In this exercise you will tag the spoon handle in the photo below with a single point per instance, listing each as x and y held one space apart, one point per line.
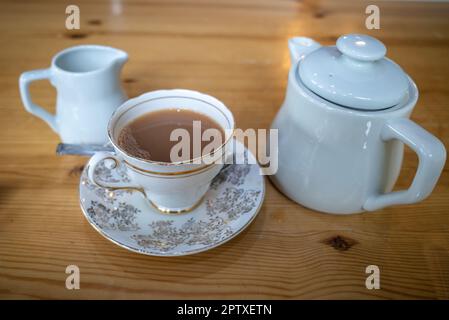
81 149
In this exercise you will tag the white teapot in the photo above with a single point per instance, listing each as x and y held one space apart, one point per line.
343 126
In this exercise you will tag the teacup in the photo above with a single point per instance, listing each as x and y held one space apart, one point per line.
172 187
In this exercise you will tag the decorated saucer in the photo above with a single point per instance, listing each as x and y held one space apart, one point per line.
127 219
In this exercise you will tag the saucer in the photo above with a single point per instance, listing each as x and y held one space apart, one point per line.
128 219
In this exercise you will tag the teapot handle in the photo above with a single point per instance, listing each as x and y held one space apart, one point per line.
431 154
24 82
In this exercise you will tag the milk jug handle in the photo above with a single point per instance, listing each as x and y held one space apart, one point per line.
24 82
431 155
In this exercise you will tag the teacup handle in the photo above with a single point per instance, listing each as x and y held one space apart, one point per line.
24 82
431 154
92 165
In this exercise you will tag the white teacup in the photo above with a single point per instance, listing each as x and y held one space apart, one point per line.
172 187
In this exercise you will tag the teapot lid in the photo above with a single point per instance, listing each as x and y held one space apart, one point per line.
355 74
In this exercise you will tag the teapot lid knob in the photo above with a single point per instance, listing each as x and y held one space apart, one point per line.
361 47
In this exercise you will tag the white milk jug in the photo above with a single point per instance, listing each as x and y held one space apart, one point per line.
87 80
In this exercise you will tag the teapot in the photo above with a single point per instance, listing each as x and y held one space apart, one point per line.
343 125
87 81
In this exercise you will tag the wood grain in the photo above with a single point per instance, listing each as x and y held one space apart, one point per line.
237 51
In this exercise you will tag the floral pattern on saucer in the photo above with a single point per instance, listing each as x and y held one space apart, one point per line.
127 219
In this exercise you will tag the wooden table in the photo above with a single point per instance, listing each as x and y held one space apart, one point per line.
237 51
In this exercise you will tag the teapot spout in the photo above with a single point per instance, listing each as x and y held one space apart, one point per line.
299 47
121 58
